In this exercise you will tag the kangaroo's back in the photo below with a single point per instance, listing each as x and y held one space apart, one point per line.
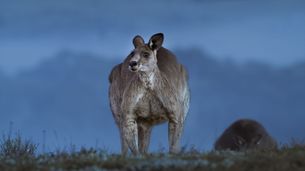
245 134
170 67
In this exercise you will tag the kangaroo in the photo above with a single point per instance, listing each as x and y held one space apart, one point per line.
149 88
245 134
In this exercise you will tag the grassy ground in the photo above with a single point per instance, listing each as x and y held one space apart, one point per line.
19 154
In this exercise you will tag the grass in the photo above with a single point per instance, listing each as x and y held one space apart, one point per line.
16 147
20 154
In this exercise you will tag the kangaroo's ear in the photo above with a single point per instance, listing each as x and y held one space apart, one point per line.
156 41
257 139
240 140
138 41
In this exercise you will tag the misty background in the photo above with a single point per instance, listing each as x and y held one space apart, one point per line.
246 59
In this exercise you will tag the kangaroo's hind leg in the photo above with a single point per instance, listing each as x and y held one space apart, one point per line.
175 129
124 145
144 133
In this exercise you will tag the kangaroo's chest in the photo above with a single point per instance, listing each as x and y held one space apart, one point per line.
150 109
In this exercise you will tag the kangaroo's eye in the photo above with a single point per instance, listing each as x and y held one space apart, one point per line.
145 54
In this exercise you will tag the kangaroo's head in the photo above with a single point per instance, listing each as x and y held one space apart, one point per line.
144 56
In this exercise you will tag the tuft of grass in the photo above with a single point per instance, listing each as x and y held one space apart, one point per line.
17 147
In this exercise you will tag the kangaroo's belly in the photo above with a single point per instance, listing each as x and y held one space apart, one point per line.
149 109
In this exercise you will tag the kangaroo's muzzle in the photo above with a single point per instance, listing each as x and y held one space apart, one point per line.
133 66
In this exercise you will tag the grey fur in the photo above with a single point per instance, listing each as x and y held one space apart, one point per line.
150 87
245 134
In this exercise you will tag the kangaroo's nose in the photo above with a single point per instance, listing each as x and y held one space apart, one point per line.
133 63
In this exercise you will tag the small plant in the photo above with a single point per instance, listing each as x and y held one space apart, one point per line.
16 147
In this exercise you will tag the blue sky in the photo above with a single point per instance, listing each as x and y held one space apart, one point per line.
271 31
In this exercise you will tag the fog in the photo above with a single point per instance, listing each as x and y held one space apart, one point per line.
245 60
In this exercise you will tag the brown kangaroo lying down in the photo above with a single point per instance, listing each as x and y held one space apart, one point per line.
245 134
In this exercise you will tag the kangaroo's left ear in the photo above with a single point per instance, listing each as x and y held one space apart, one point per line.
156 41
138 41
240 140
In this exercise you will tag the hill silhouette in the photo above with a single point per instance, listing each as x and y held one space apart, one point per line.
67 96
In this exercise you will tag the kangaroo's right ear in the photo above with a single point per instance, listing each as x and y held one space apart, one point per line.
138 41
156 41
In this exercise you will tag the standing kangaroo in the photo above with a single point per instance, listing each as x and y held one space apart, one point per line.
150 87
245 134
